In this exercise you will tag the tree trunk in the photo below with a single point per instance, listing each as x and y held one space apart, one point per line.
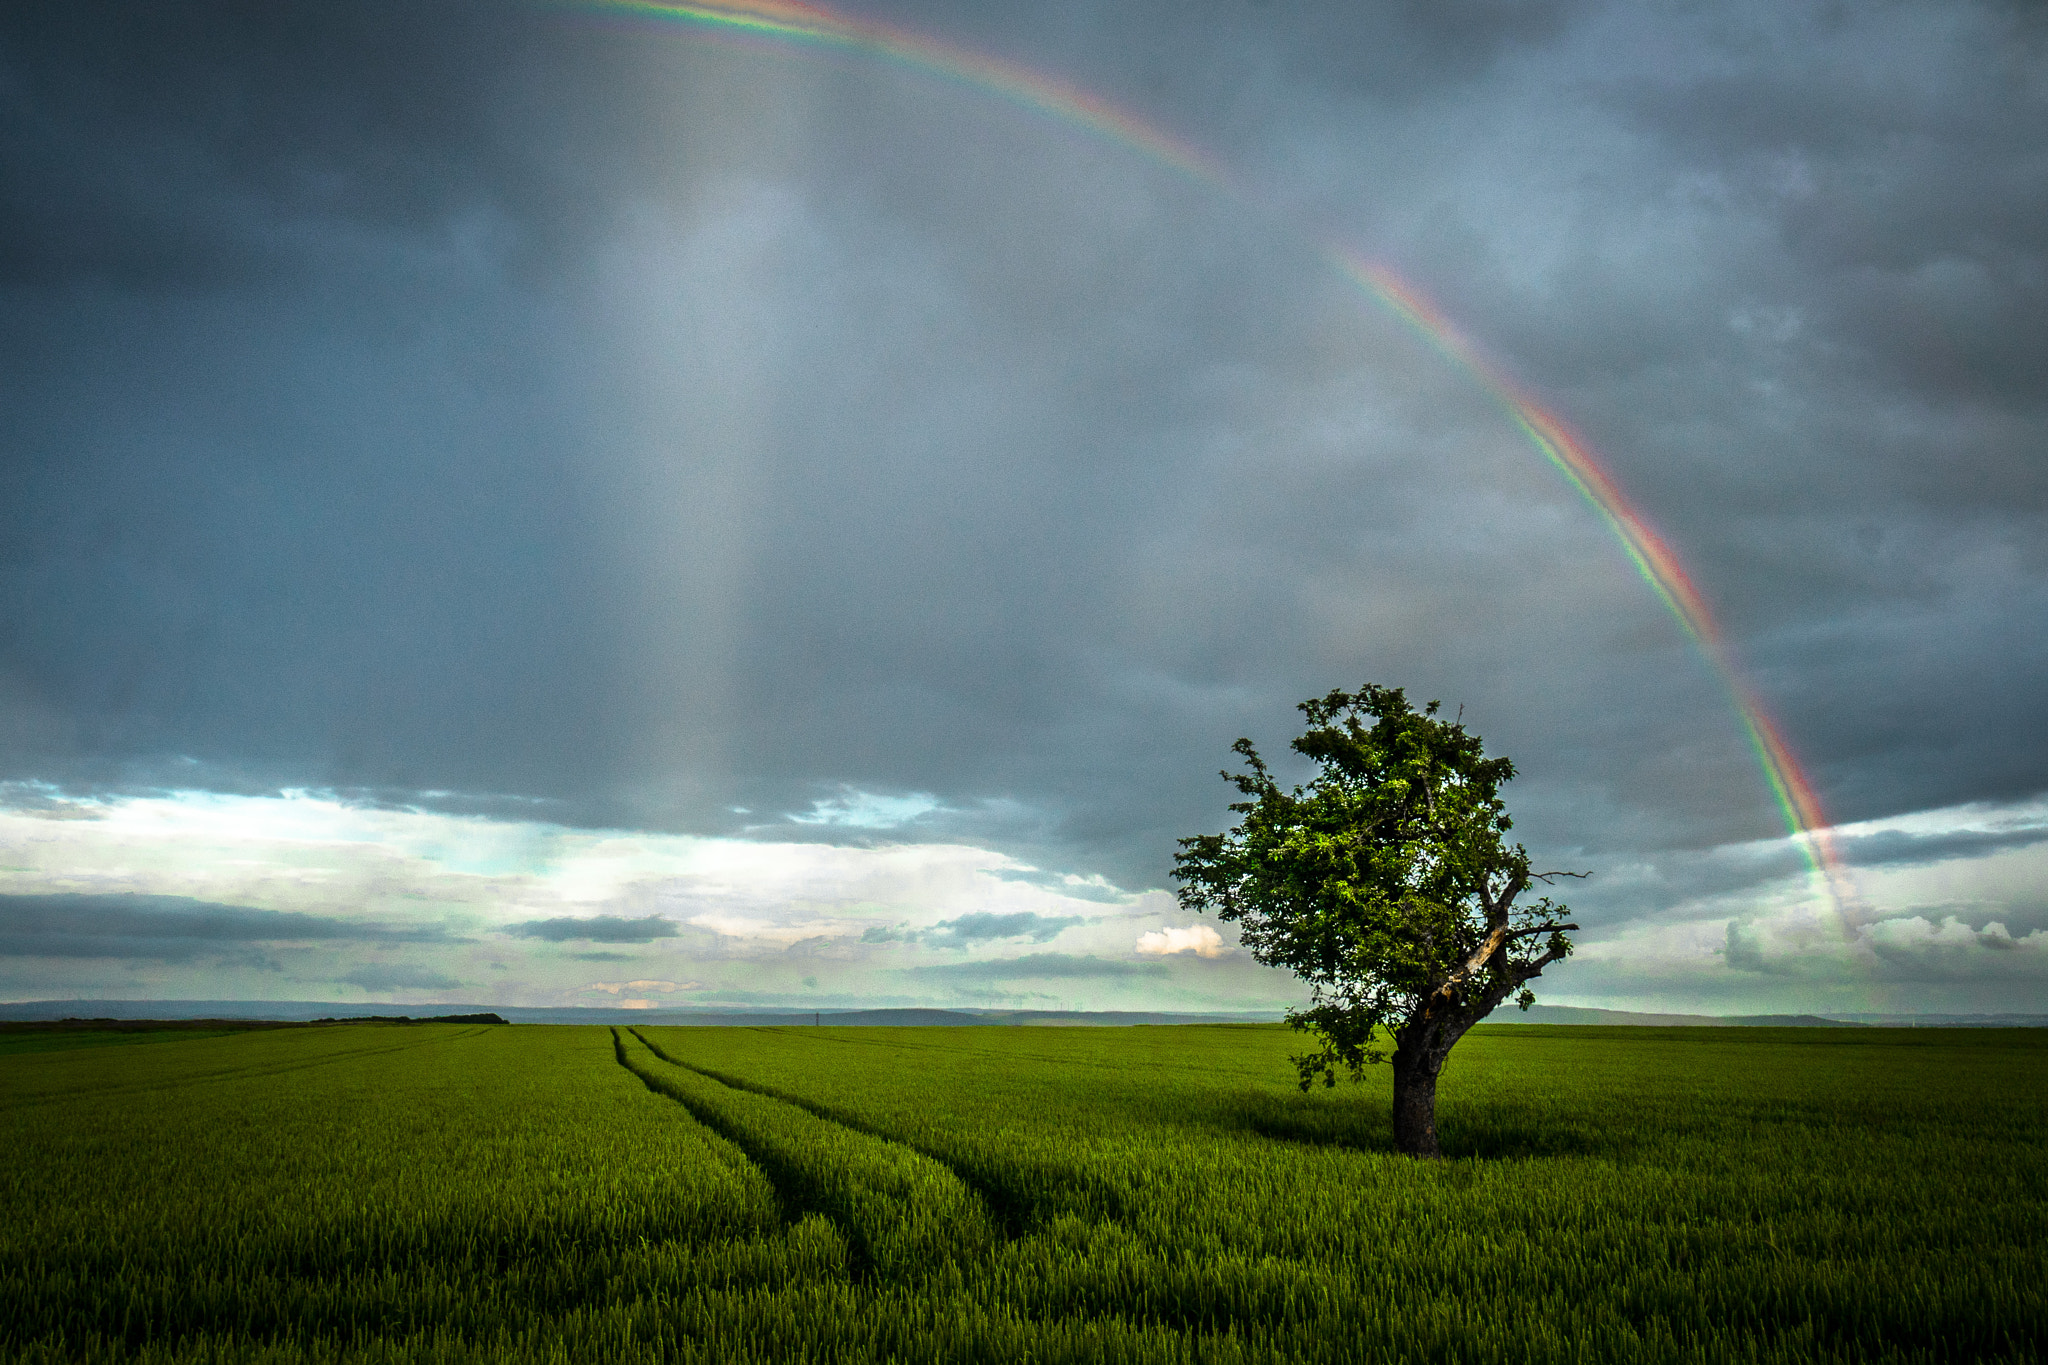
1415 1072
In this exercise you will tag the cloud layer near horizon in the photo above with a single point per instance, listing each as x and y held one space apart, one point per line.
306 897
510 414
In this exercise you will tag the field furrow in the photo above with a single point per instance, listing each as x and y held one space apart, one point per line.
437 1193
1644 1188
1014 1214
906 1215
462 1183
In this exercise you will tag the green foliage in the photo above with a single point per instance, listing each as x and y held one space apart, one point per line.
1386 883
932 1195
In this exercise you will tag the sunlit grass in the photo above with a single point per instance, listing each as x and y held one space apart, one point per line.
448 1193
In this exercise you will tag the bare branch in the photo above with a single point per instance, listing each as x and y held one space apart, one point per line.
1541 929
1545 877
1535 969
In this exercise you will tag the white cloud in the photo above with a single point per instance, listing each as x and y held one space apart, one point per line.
853 809
753 916
746 927
1198 939
1965 930
1917 948
644 987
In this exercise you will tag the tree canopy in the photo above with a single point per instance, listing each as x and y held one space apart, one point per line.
1387 883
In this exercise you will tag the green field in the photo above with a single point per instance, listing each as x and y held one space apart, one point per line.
450 1193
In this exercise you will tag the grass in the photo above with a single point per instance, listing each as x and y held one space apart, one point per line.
450 1193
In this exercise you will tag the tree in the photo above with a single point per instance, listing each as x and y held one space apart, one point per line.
1388 885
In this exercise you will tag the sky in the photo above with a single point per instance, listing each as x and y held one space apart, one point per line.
542 505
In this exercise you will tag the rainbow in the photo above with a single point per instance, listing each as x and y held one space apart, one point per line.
1654 559
780 20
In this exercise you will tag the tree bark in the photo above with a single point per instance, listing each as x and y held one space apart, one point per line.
1415 1072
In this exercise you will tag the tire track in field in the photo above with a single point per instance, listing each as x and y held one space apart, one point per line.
789 1194
897 1221
1017 1215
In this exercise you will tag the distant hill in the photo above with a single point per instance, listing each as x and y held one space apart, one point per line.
1950 1020
199 1024
1569 1014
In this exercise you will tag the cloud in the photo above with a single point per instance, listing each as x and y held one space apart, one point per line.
1911 949
398 976
1198 939
1914 848
813 946
866 810
644 987
1744 950
172 928
595 929
984 927
838 475
1067 884
1980 843
1914 948
981 926
42 799
761 930
1036 966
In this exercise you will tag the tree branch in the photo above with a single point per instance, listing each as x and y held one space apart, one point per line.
1541 929
1481 955
1493 944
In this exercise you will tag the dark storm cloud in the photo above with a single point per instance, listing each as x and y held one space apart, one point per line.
1904 182
1220 59
1037 966
1901 848
191 147
171 928
1798 305
398 976
499 410
595 929
983 927
256 297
